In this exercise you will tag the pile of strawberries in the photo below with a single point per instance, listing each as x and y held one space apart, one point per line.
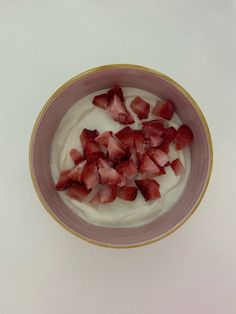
120 164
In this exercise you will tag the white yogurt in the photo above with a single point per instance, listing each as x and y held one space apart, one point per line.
119 213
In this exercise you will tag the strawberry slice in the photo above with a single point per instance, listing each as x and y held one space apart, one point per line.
153 127
184 137
76 173
128 169
127 193
164 147
140 107
148 166
95 200
115 90
103 138
126 136
90 175
64 181
108 175
140 142
100 101
115 149
169 134
164 109
118 111
159 157
177 167
76 156
149 189
87 135
78 191
108 193
155 140
92 151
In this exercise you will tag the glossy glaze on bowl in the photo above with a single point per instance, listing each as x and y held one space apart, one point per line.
105 77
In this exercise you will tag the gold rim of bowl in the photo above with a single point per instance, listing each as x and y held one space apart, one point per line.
107 67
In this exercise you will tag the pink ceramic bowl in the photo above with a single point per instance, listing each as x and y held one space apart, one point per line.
100 78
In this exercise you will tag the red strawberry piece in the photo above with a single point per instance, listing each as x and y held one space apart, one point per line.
164 109
159 157
149 189
108 193
95 200
140 107
183 137
177 167
108 175
76 156
164 147
139 141
148 166
162 171
169 134
78 191
64 181
92 151
128 169
126 136
90 175
76 173
115 90
127 193
100 101
155 140
153 127
129 119
167 164
115 149
117 110
103 138
88 135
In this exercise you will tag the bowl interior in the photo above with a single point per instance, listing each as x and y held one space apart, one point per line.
100 78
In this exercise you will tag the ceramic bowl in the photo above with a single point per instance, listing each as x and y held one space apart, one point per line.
105 77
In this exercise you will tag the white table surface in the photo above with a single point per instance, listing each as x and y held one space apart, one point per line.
43 268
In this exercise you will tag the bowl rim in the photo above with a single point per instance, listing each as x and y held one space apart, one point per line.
72 81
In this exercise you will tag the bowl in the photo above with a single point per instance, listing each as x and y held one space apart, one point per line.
104 77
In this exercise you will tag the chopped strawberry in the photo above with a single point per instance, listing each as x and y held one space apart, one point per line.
139 141
126 136
164 109
103 138
64 181
78 191
169 134
115 90
118 111
127 193
155 140
108 193
140 107
164 147
100 101
76 173
115 149
128 169
162 171
183 137
90 175
76 156
88 135
149 189
159 157
177 167
95 200
92 151
108 175
148 166
153 127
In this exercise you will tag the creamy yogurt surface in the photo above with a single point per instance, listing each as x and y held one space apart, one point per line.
119 213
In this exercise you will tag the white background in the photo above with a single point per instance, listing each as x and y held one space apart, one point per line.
43 268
